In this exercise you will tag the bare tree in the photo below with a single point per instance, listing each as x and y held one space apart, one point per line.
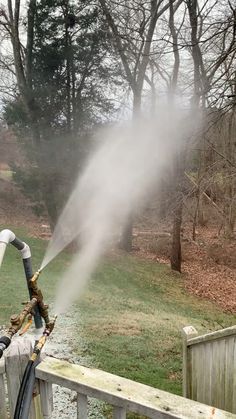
132 25
212 47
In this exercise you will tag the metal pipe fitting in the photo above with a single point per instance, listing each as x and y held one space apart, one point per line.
16 321
7 236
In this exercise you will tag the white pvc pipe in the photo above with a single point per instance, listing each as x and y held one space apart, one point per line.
7 236
25 252
2 251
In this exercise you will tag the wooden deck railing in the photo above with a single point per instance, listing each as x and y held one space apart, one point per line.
209 367
122 394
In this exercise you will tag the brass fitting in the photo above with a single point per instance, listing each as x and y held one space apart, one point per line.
27 326
35 276
17 320
48 330
50 325
38 347
37 293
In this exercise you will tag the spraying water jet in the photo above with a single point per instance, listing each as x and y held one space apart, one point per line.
120 175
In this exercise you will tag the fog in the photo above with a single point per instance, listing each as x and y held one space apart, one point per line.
119 176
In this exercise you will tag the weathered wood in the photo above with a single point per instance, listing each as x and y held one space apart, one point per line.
234 380
82 406
119 412
221 367
219 334
207 369
37 407
187 333
46 398
201 381
194 367
2 366
118 391
16 358
3 409
215 374
230 370
211 368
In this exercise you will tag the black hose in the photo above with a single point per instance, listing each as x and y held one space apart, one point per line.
20 397
4 343
19 245
26 391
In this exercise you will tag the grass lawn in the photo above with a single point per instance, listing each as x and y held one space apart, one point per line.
6 175
132 313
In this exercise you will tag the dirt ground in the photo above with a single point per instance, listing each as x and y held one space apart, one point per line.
209 263
16 210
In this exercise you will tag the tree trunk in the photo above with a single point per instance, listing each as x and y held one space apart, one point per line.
230 195
24 80
176 255
127 232
137 96
127 235
46 178
50 201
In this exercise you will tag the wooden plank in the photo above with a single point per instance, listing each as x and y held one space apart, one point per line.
234 380
221 382
46 398
37 407
2 366
208 371
119 412
230 370
194 374
190 374
82 406
3 409
187 333
16 358
201 372
217 379
215 388
134 397
219 334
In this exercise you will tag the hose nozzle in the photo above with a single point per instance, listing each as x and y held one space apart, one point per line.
35 276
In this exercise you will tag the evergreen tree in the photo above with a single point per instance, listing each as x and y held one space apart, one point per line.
68 70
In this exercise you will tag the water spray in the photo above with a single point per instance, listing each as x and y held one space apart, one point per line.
21 322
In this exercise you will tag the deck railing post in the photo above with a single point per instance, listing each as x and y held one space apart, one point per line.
82 406
3 409
46 398
16 358
119 412
187 333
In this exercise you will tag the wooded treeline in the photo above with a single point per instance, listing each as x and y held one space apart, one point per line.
68 67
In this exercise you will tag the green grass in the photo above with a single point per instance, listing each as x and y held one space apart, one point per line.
133 313
130 316
6 174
